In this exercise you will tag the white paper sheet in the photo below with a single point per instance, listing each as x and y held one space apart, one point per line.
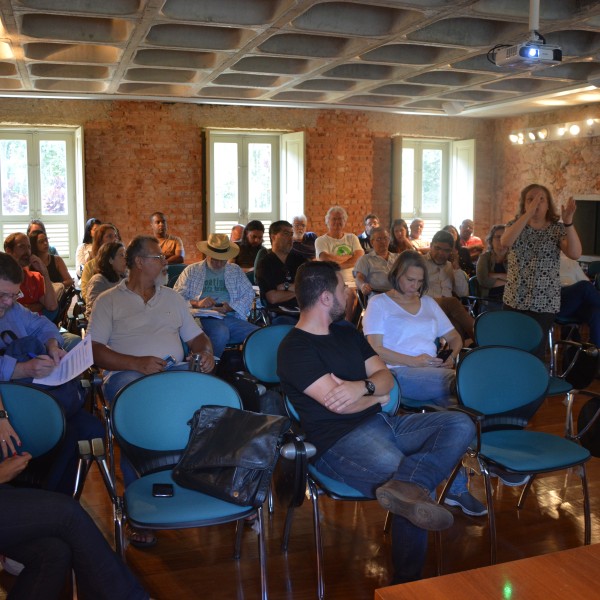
71 364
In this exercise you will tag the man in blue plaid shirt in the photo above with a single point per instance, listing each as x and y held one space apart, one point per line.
221 291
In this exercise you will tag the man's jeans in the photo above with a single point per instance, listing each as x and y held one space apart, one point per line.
582 301
431 385
229 330
420 448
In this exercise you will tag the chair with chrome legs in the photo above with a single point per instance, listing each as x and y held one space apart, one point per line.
510 447
304 474
150 418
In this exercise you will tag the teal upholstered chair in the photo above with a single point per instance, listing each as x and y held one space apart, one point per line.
307 474
39 421
517 330
513 449
150 422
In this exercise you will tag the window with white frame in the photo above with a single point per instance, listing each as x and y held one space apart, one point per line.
254 175
41 177
433 181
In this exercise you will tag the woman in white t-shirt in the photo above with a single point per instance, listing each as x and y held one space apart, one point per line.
403 326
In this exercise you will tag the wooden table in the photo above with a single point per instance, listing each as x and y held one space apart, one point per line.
559 575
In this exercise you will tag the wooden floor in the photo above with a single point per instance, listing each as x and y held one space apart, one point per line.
198 563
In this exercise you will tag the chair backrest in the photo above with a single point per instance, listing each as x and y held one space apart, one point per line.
508 328
35 415
173 273
474 289
260 352
64 303
153 412
497 379
593 269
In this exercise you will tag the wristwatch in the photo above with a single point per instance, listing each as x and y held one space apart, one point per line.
286 286
3 414
370 387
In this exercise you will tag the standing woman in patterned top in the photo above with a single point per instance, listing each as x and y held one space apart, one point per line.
535 239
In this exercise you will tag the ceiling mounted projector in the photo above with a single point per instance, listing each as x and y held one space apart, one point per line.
527 54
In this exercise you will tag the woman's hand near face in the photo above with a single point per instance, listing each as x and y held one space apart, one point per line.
533 206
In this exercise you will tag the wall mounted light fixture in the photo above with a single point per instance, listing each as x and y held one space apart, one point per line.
548 133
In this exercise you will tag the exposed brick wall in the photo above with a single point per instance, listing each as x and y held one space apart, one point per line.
339 162
382 178
567 167
139 161
147 156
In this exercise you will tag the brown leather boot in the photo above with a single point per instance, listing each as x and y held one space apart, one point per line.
414 503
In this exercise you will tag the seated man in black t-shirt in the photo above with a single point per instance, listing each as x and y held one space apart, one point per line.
275 274
337 383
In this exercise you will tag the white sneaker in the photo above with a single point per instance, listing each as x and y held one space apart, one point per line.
12 567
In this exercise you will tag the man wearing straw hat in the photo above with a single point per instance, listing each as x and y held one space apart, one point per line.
221 290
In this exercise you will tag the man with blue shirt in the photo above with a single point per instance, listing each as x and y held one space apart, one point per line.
221 288
19 322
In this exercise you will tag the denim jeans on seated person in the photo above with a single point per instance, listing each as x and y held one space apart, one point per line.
582 301
80 424
229 330
417 448
431 385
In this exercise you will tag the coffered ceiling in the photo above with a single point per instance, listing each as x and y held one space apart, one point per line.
413 56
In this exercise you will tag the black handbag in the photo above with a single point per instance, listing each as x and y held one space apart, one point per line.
231 454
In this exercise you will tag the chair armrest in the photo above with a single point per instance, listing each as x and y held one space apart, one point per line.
291 450
289 479
99 454
477 416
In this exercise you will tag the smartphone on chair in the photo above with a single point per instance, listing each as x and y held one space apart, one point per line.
162 490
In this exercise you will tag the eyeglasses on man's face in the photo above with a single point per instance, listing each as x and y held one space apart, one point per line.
8 296
156 256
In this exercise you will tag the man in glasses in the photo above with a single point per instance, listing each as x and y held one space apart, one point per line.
137 326
18 364
447 284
